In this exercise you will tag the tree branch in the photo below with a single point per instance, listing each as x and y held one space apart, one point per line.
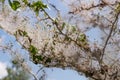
110 34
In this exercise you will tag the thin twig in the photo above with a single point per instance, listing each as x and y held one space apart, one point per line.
110 33
101 4
39 70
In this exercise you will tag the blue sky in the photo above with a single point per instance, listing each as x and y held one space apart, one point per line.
64 75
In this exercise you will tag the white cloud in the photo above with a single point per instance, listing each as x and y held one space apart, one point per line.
3 70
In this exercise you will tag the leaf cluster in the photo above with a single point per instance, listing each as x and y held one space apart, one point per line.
35 6
14 5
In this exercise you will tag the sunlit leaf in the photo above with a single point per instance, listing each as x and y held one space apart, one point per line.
82 37
14 5
33 49
37 6
117 8
24 33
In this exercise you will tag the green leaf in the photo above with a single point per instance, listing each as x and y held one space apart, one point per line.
117 8
63 25
48 60
10 3
2 1
22 33
40 58
37 58
82 37
66 38
73 29
33 49
39 5
25 1
53 42
14 5
15 62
